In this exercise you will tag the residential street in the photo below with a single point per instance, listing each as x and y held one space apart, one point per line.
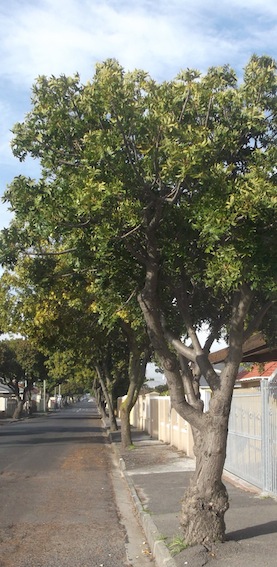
63 501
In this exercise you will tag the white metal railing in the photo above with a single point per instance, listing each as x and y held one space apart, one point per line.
252 436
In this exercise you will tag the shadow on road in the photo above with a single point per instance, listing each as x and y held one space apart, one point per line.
253 531
93 439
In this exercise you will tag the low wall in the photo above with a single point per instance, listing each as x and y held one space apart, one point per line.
10 407
155 415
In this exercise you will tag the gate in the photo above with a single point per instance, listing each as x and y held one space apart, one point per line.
244 444
252 437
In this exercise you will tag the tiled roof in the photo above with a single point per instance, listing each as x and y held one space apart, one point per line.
255 350
265 370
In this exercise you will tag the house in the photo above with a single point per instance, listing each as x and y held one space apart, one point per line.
255 349
7 401
252 376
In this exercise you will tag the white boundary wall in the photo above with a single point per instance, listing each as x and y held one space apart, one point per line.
155 415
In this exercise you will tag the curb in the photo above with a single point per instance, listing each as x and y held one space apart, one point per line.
35 415
157 546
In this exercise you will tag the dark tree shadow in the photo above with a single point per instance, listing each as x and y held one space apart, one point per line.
253 531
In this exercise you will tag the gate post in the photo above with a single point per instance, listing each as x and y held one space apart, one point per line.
265 435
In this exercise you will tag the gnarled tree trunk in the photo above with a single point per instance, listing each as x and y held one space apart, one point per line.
206 500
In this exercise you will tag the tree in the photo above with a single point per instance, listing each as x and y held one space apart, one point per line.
64 369
60 313
21 365
173 185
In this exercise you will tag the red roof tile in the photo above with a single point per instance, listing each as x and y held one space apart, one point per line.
265 370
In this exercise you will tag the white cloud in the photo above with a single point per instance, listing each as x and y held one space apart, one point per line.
6 216
5 134
49 37
65 36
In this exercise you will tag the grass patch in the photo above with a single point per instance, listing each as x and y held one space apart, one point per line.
176 545
162 538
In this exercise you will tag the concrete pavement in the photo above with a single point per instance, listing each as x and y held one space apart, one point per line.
157 475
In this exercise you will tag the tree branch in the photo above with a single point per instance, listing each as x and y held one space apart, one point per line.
241 304
177 344
200 355
128 150
174 194
136 253
188 381
131 231
31 254
256 321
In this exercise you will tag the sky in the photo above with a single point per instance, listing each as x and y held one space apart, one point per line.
54 37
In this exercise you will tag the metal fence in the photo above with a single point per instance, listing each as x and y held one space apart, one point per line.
269 436
252 437
244 444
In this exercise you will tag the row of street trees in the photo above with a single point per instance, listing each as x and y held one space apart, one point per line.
155 212
23 366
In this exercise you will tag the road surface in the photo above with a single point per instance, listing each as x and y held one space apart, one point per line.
62 500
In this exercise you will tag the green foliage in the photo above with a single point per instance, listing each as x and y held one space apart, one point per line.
162 389
10 368
20 361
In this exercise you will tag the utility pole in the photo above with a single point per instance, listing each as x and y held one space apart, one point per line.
44 396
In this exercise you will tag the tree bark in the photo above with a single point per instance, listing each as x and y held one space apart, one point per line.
99 401
19 409
138 358
126 436
206 500
101 398
112 418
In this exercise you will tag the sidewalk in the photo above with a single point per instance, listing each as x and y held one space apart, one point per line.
157 475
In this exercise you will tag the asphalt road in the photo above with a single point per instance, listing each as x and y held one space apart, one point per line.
62 500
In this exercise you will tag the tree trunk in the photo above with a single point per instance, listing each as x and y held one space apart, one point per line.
126 437
206 500
125 410
136 381
111 415
99 401
137 366
19 409
112 418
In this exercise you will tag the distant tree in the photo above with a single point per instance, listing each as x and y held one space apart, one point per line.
21 365
79 333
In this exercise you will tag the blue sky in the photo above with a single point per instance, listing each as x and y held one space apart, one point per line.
161 36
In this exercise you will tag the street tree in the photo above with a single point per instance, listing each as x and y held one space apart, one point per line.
168 191
21 365
60 312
